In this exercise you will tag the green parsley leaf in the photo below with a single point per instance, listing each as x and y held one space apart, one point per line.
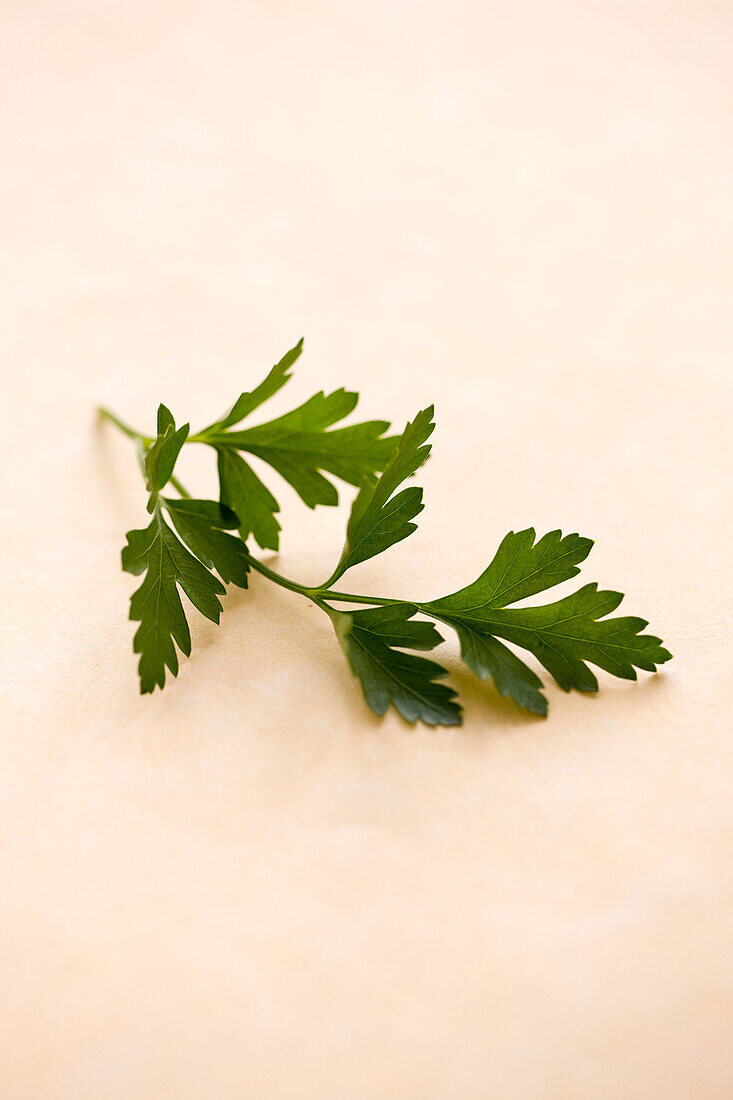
562 635
380 643
298 446
203 526
241 489
379 519
161 456
373 641
247 402
490 658
168 564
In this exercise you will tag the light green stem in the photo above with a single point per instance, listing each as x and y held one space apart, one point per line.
180 488
107 414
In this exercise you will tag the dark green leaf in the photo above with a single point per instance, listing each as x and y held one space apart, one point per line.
298 446
255 506
373 641
165 420
156 605
161 456
203 525
565 634
562 635
378 519
490 658
247 402
522 567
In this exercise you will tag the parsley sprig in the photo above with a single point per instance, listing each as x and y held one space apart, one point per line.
199 546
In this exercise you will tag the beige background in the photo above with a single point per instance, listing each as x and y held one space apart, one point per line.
247 886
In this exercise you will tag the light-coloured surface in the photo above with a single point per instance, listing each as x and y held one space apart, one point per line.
246 886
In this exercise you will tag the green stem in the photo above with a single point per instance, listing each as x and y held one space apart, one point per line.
284 582
180 488
107 414
316 595
350 597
